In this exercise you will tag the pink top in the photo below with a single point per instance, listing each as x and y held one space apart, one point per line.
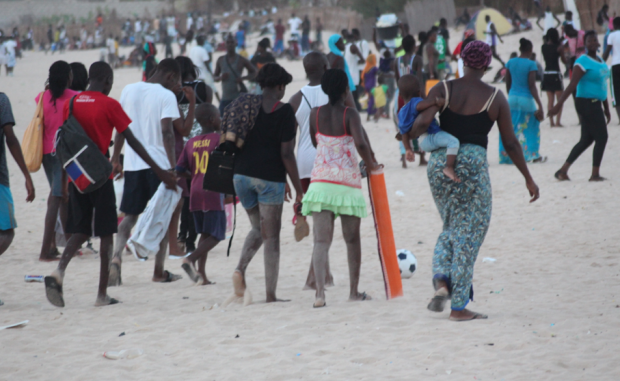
577 45
336 158
53 117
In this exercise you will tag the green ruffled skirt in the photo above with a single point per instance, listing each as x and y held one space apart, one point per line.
339 199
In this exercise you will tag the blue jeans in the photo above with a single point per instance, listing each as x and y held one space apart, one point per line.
278 47
439 140
252 191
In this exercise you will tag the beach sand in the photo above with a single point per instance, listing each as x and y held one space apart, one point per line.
552 295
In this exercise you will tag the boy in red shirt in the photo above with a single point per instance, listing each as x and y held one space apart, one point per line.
98 115
207 207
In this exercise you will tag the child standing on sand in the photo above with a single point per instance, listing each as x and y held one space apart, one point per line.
207 207
380 93
409 88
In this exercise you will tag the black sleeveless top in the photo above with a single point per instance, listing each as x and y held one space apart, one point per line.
468 129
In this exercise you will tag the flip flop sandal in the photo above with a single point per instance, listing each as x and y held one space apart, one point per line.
170 277
476 316
365 296
53 291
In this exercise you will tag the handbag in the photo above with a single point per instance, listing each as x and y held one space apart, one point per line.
32 143
240 86
219 178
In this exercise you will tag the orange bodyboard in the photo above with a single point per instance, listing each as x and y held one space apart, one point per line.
385 235
430 84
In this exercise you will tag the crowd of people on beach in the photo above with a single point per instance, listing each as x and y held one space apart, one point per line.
173 129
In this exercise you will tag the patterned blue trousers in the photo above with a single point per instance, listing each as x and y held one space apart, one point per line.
465 210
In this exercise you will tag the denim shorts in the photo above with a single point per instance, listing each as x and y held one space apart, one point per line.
53 172
441 139
252 191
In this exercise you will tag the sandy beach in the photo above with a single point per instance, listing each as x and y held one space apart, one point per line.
552 295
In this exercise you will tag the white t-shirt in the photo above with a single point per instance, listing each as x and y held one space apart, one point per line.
147 104
364 48
10 46
111 46
306 153
352 63
199 55
294 24
549 21
490 37
613 40
138 26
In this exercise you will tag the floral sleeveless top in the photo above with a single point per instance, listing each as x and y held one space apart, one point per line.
336 158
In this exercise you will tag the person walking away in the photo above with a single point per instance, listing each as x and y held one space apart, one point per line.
410 63
207 208
590 75
354 58
309 97
431 56
7 208
9 47
240 37
111 45
294 23
261 57
80 76
613 47
335 188
552 82
319 33
149 62
261 129
183 128
229 70
202 59
278 45
523 99
465 207
369 81
203 94
491 38
305 36
550 19
94 213
59 80
153 127
443 46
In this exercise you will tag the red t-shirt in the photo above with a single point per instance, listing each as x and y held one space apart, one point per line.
280 29
99 115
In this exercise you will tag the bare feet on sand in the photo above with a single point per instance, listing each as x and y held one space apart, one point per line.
562 176
51 256
318 303
449 171
114 278
238 283
167 278
203 280
597 178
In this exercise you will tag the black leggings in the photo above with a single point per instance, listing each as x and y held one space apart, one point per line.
593 129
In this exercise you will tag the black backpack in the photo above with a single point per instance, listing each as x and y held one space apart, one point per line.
80 157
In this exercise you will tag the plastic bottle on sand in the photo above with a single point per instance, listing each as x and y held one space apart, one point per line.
124 354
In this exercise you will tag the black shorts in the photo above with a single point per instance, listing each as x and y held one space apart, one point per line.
615 84
100 204
552 82
140 186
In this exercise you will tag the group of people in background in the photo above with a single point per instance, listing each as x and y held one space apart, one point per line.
171 140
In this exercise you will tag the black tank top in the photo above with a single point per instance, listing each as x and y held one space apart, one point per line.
468 129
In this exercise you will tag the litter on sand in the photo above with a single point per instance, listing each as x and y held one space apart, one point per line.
16 325
400 193
488 259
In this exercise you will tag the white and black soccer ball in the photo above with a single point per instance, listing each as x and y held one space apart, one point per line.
407 263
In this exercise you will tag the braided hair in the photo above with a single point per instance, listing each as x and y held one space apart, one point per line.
187 68
525 45
334 83
80 76
58 79
273 75
588 34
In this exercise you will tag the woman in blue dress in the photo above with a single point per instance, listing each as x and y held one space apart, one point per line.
523 100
